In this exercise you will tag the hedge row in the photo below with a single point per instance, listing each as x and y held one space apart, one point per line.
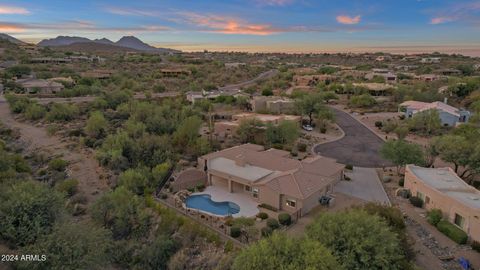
454 233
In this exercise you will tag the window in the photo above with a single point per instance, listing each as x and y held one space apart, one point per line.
291 203
248 188
255 192
459 220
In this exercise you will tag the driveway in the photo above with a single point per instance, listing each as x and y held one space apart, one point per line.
364 184
359 147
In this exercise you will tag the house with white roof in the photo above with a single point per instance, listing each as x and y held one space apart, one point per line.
449 115
441 188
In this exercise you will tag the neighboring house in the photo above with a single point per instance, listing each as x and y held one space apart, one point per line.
65 80
100 74
270 177
449 115
174 72
235 65
441 188
272 104
211 95
312 80
428 77
376 89
40 86
50 60
385 73
226 129
430 60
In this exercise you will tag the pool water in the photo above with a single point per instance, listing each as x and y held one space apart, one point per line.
204 203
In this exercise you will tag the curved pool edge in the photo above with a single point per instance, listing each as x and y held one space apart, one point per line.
184 204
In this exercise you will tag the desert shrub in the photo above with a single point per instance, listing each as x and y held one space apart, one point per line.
349 167
434 216
266 231
378 124
273 223
454 233
416 201
262 215
285 219
57 164
35 112
476 246
69 186
302 147
62 112
235 231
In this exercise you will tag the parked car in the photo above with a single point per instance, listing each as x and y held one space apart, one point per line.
307 127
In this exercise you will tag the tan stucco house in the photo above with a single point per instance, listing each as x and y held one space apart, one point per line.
271 177
441 188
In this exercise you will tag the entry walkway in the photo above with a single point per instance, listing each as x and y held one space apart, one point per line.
248 207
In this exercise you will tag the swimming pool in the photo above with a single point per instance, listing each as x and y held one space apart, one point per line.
204 203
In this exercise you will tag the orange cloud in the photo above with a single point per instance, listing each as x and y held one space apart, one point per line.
440 20
13 10
227 25
10 28
344 19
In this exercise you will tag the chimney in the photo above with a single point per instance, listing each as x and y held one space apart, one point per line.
240 160
445 100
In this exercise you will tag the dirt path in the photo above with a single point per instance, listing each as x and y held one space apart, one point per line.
83 165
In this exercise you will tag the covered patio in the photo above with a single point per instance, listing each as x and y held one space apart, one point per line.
248 207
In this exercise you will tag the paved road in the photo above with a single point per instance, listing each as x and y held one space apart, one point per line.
364 184
360 146
264 75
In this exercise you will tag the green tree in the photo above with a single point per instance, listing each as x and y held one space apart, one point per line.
123 213
136 180
463 153
28 210
187 133
71 246
156 255
359 240
309 105
285 133
282 252
248 129
362 101
427 122
401 153
96 125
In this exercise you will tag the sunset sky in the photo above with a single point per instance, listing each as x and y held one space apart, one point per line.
257 25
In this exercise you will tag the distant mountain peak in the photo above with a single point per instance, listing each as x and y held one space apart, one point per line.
129 42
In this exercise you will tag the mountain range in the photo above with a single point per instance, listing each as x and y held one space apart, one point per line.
11 39
126 42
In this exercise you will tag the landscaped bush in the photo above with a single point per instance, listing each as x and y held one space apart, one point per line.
273 223
401 182
476 246
323 130
349 167
434 216
378 124
262 215
57 164
68 186
454 233
266 231
235 231
415 201
269 207
200 187
302 147
285 219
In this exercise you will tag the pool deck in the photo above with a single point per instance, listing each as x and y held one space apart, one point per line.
248 207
